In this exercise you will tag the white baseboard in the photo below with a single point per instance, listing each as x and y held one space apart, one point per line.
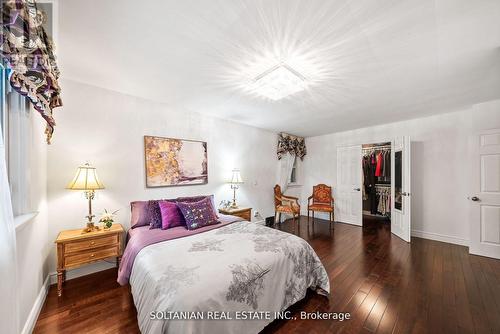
51 278
29 325
440 237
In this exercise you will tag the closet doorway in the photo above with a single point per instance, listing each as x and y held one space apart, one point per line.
376 182
373 180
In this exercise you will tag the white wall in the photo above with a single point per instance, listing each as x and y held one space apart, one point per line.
106 128
439 165
33 245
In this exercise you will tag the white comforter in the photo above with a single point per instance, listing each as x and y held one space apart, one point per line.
239 267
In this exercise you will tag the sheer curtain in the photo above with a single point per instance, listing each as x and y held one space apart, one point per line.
8 288
20 152
286 166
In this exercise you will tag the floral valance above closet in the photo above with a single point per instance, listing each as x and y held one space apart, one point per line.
291 144
29 54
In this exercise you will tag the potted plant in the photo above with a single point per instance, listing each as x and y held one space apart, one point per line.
107 219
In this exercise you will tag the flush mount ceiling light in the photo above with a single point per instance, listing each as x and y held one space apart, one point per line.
278 82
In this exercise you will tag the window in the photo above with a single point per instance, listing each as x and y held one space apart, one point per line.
294 173
16 129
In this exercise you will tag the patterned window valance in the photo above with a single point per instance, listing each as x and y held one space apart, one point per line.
29 53
291 144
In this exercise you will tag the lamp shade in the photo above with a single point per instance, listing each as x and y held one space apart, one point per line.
236 178
85 179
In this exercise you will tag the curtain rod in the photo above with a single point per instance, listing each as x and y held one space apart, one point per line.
290 135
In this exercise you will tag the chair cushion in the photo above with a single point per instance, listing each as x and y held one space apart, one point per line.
321 207
322 194
287 208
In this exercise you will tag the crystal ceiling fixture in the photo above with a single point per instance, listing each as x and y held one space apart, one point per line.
278 82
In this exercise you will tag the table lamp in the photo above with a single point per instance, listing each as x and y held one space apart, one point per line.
86 179
236 180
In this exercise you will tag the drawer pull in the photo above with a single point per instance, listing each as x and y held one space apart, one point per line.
92 243
92 255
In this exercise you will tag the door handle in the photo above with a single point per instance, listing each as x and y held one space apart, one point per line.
405 194
475 199
357 189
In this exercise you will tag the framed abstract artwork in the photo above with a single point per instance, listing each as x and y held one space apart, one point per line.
175 162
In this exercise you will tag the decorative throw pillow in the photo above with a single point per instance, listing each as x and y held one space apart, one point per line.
139 214
171 215
198 214
154 214
197 199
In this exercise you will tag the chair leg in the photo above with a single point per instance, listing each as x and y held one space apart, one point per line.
307 223
312 222
330 223
279 219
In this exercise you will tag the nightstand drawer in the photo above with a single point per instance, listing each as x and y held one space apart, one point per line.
90 256
77 246
245 215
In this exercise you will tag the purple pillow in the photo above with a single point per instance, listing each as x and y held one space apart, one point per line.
198 214
154 214
139 214
192 199
171 216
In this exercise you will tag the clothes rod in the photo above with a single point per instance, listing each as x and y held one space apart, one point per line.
367 147
376 148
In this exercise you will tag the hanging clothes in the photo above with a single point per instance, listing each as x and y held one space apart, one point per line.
384 167
369 173
376 171
363 184
386 170
366 174
384 195
380 161
373 193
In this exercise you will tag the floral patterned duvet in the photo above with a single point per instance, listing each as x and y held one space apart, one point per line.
229 280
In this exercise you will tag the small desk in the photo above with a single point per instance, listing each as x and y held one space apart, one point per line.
245 213
76 248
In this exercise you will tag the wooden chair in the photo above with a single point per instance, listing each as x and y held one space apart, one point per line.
322 201
285 204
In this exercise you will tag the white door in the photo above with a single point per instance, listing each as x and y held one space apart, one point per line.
400 188
348 198
485 195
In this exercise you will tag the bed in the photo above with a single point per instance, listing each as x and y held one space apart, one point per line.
227 278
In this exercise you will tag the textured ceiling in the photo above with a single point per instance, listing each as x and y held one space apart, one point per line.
366 62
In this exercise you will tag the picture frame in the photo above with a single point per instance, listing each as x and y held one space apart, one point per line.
171 162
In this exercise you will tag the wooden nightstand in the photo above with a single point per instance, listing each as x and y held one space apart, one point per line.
75 248
245 213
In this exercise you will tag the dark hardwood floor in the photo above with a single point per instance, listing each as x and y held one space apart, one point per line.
387 285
